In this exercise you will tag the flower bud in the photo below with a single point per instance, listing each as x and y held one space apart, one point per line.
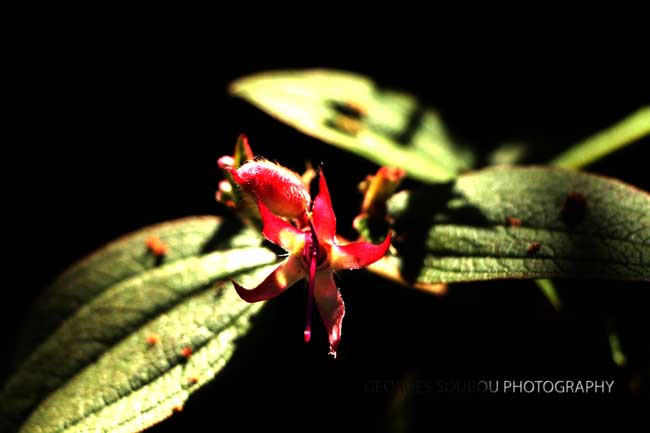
380 188
279 188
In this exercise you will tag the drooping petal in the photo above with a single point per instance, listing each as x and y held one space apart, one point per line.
323 216
281 232
357 254
287 273
279 188
330 306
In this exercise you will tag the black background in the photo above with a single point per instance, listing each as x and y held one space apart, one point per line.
111 133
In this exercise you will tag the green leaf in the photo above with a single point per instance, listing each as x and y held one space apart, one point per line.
119 361
122 259
627 131
523 223
350 111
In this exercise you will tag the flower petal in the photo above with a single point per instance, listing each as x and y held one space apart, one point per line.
330 306
358 254
287 273
281 232
323 216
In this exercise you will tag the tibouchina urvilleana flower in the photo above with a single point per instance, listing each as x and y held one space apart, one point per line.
314 252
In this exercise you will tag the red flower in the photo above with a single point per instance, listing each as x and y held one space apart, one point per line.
314 254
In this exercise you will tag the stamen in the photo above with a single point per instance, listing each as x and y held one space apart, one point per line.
311 282
310 298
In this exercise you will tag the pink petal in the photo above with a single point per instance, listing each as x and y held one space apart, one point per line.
330 306
358 254
280 232
287 273
311 280
323 215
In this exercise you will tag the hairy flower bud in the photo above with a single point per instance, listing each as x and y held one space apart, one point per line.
279 188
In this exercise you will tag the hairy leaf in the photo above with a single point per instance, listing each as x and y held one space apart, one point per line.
350 111
625 132
139 341
523 223
125 258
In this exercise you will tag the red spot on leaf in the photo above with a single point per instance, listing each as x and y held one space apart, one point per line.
153 340
192 380
514 222
534 247
186 352
358 108
157 247
350 109
347 125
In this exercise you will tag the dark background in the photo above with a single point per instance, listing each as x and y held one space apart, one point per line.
115 133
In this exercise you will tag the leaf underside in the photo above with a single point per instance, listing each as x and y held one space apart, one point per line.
139 342
529 222
349 111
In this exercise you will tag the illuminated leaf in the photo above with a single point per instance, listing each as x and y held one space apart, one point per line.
350 111
139 342
625 132
523 223
125 258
